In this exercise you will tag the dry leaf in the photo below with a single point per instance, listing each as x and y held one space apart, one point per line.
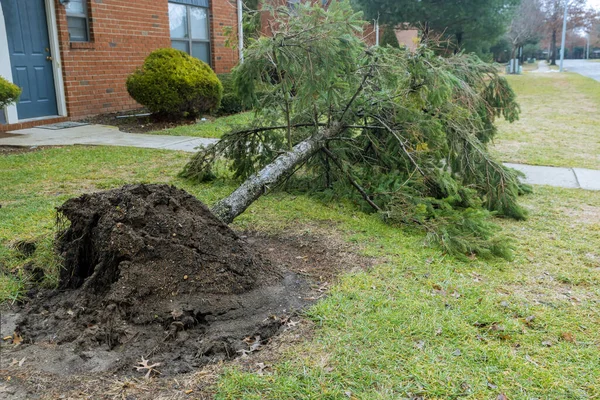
188 391
16 339
501 396
456 352
144 365
547 343
420 344
568 337
492 386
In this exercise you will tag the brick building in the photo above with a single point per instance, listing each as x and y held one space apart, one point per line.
72 57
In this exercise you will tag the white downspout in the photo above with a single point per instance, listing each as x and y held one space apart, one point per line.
240 31
376 32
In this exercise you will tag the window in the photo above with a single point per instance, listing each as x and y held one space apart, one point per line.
190 28
77 21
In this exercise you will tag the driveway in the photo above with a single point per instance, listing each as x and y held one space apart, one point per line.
590 69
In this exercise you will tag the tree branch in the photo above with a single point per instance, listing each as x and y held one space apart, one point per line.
362 191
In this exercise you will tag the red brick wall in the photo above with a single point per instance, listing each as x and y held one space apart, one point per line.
223 16
122 34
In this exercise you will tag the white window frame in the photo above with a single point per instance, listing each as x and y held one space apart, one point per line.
189 40
83 16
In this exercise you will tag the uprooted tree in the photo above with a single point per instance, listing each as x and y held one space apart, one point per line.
405 133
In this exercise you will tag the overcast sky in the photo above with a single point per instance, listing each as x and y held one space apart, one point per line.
594 3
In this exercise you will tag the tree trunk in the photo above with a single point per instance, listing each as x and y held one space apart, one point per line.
271 175
553 44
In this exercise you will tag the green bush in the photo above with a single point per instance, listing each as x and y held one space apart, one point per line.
231 103
171 82
9 92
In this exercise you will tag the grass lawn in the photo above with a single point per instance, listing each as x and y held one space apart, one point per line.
418 324
214 128
559 125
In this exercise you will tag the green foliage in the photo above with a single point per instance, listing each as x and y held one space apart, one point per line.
389 37
411 129
471 25
173 83
231 103
9 93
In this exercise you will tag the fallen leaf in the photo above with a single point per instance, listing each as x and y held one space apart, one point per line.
456 352
144 365
547 343
261 368
438 331
188 391
7 337
568 337
16 339
420 344
492 386
501 396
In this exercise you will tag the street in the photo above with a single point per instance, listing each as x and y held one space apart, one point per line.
587 68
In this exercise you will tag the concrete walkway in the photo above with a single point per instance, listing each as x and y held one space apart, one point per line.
576 178
102 135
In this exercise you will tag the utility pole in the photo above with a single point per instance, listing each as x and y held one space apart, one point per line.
564 36
588 47
240 21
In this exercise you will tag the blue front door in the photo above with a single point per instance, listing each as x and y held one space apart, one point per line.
30 58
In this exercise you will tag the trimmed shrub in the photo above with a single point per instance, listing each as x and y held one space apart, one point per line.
171 82
231 103
9 92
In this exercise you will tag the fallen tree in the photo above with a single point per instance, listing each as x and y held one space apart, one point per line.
406 132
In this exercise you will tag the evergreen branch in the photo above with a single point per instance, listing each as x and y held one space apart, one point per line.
360 189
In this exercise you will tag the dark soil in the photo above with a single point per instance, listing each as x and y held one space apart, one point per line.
150 272
8 150
129 122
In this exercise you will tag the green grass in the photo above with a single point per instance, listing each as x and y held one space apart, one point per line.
212 128
559 124
417 324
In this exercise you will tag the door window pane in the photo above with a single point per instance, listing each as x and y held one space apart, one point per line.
178 20
199 23
77 29
201 51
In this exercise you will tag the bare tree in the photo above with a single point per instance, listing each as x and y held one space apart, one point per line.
527 25
577 15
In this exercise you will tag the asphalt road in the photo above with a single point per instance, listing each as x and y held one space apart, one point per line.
586 68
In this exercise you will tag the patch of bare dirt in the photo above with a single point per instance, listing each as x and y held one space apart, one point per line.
8 150
137 121
153 280
585 214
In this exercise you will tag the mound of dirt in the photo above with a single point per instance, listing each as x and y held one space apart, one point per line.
150 272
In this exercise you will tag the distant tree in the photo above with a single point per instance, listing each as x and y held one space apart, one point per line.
469 24
526 25
577 15
389 37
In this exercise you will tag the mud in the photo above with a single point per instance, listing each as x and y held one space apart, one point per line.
150 272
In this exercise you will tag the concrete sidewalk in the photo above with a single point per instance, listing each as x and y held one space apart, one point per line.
576 178
102 135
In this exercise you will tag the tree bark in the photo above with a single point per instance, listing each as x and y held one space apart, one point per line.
271 175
